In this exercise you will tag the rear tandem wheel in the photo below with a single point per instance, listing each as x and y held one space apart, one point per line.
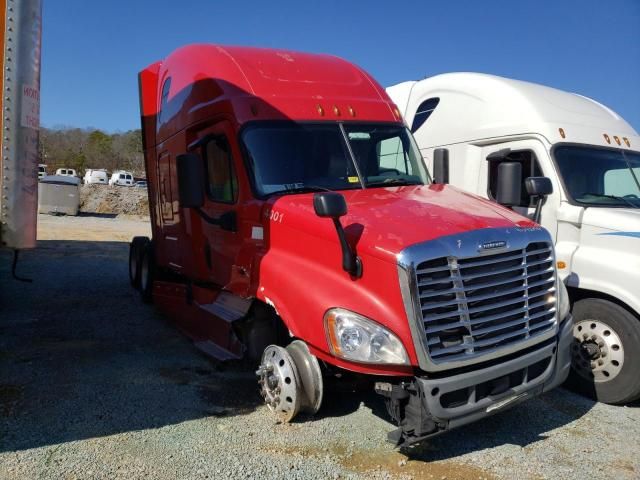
136 248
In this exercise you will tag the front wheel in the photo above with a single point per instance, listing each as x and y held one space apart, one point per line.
605 354
290 380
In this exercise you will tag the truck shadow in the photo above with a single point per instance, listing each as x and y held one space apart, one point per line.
82 357
97 215
522 425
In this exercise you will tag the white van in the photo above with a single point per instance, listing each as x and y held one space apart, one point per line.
66 172
42 171
480 127
92 176
120 177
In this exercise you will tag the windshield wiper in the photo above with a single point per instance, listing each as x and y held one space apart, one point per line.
393 182
613 197
304 189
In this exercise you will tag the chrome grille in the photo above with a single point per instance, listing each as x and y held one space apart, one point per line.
473 305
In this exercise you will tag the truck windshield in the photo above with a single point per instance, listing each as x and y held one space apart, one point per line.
600 177
288 157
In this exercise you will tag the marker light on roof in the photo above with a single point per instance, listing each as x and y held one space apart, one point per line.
336 111
617 139
396 112
606 137
352 112
561 131
627 142
320 110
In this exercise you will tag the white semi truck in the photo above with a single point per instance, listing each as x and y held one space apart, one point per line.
20 30
473 128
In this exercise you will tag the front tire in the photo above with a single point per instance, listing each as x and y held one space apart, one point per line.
605 353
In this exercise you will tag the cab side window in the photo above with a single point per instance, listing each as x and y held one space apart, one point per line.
530 168
164 99
222 184
423 112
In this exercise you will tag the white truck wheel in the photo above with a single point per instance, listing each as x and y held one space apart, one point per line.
606 351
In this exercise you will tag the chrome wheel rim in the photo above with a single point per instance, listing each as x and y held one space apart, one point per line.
597 353
279 383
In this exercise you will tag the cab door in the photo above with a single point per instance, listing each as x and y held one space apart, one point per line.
167 211
222 241
535 160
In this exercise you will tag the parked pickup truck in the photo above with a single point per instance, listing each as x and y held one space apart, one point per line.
294 223
481 123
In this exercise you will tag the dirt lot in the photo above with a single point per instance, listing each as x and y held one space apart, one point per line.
94 384
103 199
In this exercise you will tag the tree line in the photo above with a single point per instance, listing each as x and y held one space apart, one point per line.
91 148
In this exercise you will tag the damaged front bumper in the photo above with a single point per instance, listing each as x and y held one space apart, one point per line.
425 407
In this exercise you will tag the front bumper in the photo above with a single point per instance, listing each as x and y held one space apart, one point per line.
427 407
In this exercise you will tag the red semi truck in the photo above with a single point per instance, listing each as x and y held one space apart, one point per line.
294 223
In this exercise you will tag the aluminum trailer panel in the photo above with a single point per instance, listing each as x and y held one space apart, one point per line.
21 26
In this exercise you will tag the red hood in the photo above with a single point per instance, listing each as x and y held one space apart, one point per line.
384 221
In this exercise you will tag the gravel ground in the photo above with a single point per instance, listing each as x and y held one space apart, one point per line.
103 199
94 384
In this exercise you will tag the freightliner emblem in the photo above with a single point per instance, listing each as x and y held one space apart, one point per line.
492 245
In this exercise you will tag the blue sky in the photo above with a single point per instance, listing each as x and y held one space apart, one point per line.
92 51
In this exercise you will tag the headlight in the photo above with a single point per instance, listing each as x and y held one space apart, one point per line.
354 337
563 300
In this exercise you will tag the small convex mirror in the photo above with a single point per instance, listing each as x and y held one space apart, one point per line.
538 186
329 205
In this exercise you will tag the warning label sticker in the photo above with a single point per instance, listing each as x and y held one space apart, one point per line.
30 116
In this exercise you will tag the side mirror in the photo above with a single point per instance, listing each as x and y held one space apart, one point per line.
329 205
441 165
538 188
509 188
333 205
190 180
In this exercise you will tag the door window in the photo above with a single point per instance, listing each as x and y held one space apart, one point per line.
222 184
392 157
530 168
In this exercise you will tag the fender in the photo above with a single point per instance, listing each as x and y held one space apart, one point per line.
298 287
